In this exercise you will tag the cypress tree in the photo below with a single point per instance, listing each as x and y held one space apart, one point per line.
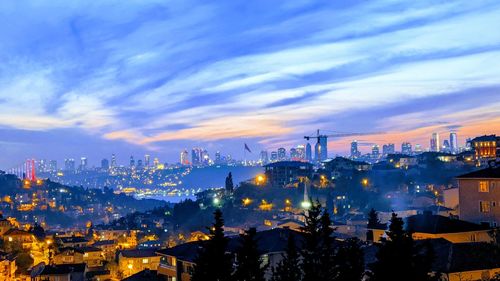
249 263
212 262
327 269
288 269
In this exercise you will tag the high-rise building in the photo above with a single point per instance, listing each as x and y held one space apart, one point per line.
435 144
132 162
375 151
105 164
147 160
184 157
321 149
69 165
139 163
301 152
388 149
274 156
355 153
446 146
406 148
156 162
205 157
83 163
281 154
418 148
218 157
52 165
308 152
453 143
196 156
113 161
293 154
264 158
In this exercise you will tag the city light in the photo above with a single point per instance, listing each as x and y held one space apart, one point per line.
306 204
260 179
247 201
216 201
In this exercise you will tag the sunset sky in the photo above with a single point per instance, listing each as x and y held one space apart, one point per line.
91 78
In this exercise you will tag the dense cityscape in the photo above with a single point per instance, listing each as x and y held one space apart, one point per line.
259 140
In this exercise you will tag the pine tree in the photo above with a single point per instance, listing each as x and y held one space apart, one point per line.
350 261
373 220
327 270
288 269
229 183
398 257
311 259
249 263
212 262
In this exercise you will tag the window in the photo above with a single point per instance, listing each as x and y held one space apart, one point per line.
493 203
483 186
484 206
145 260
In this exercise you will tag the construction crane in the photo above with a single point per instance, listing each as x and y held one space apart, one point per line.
321 148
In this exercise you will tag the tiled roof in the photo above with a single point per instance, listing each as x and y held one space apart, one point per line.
488 173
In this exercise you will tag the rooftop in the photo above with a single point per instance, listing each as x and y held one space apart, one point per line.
138 253
427 223
488 173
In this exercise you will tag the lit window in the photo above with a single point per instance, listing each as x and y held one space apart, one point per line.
145 260
484 206
483 186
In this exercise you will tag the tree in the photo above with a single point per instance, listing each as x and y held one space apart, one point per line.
373 222
398 256
350 261
23 262
327 270
288 269
229 183
212 262
249 264
311 259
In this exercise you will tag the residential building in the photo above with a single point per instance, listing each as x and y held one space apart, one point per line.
286 172
479 196
486 149
134 260
7 266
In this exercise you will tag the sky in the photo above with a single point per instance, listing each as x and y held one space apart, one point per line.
91 78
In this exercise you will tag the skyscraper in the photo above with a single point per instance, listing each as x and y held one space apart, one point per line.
83 163
147 160
388 149
218 158
453 143
69 165
293 154
321 149
375 151
264 158
274 156
301 152
308 152
281 154
435 144
196 155
418 148
184 157
113 161
132 162
406 148
446 146
104 164
354 149
52 165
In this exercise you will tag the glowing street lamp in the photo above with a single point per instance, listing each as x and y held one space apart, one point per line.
364 182
216 201
306 205
260 179
247 201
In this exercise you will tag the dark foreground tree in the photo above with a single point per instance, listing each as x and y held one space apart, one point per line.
398 257
311 262
212 262
350 261
249 264
288 269
327 269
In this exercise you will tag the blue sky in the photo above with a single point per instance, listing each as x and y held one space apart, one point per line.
91 78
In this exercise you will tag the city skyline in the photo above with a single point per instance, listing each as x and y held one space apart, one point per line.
147 78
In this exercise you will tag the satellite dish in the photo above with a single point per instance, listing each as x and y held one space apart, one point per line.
37 269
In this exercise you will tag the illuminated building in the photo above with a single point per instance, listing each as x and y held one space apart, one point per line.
105 164
282 173
156 162
406 148
113 161
486 148
69 164
184 157
418 148
446 146
147 162
388 149
83 163
453 143
218 158
264 158
274 156
293 154
375 151
52 165
479 196
435 144
321 149
308 152
355 153
281 154
196 156
132 162
301 152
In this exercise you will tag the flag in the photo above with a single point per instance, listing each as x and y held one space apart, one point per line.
247 148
